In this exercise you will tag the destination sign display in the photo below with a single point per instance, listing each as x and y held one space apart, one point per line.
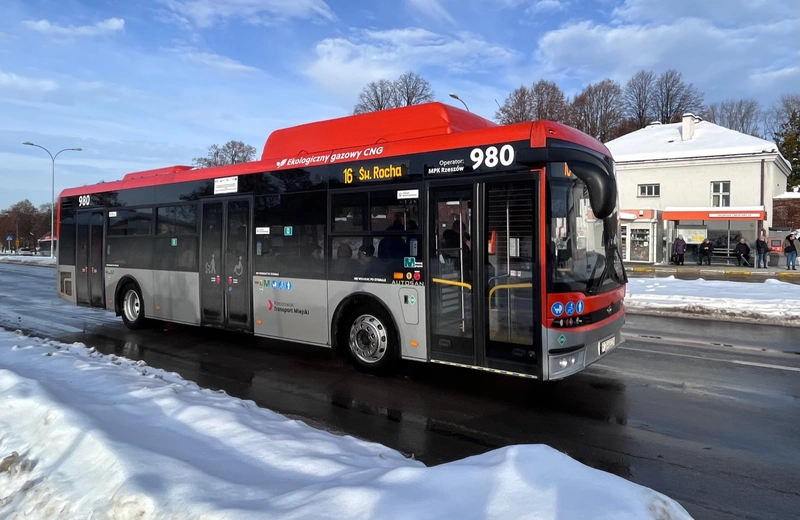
375 172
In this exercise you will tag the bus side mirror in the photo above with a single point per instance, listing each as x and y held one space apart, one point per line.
602 187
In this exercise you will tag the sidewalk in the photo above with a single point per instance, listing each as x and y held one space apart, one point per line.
715 270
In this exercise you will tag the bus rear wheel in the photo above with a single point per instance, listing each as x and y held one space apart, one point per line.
132 307
371 339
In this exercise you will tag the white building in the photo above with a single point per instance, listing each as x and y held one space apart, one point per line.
697 179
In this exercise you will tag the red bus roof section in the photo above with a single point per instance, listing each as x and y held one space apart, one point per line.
385 126
383 134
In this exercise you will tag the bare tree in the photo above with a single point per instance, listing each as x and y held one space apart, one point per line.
231 152
409 89
548 101
598 110
742 115
779 113
673 97
638 97
412 89
516 108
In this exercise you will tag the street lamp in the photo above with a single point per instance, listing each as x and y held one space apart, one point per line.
455 96
52 190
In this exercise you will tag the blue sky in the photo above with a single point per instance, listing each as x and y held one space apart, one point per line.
153 83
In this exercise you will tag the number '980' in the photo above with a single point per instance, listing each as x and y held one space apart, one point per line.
84 200
491 156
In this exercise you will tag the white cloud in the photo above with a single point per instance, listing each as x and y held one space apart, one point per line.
216 61
719 60
547 5
433 9
785 75
11 80
205 13
733 12
346 65
103 27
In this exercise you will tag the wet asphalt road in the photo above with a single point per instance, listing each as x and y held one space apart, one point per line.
705 412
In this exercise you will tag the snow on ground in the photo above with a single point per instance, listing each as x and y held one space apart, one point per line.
31 260
772 301
84 435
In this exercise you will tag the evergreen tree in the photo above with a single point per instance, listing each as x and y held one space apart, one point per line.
787 138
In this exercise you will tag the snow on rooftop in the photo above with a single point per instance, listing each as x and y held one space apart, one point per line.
658 141
87 435
788 195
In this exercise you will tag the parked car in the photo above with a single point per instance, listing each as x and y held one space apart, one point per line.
25 251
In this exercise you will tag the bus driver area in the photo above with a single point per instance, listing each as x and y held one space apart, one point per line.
424 233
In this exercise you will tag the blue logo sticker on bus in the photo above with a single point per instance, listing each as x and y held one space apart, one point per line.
280 285
570 308
579 307
557 309
288 286
274 284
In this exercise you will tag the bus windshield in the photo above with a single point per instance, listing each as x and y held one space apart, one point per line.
585 250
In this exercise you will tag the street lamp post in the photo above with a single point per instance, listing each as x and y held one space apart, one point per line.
52 190
455 96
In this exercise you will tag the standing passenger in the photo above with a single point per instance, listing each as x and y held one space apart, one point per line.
790 250
679 249
762 250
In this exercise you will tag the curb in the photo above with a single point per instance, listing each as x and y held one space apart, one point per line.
681 313
12 262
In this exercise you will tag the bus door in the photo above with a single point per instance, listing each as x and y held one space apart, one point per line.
510 292
451 271
225 264
89 279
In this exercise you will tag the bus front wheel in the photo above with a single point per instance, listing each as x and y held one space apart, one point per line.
132 307
371 339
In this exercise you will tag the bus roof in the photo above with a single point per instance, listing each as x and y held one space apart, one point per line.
385 126
386 133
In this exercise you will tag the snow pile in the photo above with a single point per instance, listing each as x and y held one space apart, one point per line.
30 260
85 435
772 301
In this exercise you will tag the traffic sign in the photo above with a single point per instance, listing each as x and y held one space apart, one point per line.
9 238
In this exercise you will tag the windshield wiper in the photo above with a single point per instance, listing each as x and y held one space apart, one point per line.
591 288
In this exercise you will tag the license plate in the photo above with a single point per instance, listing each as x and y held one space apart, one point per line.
607 344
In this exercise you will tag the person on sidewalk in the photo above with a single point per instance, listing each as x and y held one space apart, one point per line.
762 250
679 249
742 251
790 250
705 250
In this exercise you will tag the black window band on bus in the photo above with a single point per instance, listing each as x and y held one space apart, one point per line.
289 234
588 166
130 222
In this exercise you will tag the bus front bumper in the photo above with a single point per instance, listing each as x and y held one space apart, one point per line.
570 350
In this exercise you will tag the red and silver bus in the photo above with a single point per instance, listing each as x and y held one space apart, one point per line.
424 233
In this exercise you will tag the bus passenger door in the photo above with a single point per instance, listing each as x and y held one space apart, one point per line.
511 289
89 280
225 265
451 269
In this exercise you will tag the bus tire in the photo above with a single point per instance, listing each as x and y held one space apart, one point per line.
371 339
132 307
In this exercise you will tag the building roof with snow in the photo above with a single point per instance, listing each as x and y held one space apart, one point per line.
692 138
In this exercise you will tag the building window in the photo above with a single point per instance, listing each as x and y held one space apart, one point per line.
720 194
649 190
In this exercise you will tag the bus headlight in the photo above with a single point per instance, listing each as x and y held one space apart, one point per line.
572 361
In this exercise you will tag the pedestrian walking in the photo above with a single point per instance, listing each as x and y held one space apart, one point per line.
790 250
679 250
762 250
742 251
705 250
